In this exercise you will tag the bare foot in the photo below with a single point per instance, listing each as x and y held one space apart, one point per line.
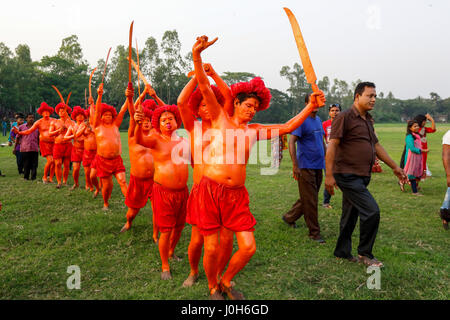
95 194
216 296
105 208
166 275
191 279
125 227
58 186
175 258
232 293
74 187
44 181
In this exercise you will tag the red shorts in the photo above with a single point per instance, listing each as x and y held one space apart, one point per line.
62 151
169 207
46 148
138 192
88 157
192 208
107 167
77 154
225 206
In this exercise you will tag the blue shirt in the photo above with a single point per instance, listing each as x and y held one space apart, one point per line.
310 152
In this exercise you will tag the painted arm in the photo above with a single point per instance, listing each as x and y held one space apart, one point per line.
69 134
97 114
132 108
446 161
152 93
317 99
121 114
146 141
186 113
214 108
384 156
131 111
52 131
80 130
223 88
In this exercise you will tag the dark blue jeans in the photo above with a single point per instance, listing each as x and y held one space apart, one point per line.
356 202
19 161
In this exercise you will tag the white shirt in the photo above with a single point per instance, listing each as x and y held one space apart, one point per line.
446 138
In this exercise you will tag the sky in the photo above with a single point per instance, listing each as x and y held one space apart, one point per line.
400 45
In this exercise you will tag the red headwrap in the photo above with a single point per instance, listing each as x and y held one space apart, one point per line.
169 108
45 107
256 86
149 103
148 113
63 105
196 97
87 112
106 107
77 110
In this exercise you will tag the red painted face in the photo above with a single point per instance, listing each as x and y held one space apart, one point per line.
62 113
167 123
246 110
46 114
147 124
203 111
80 118
107 117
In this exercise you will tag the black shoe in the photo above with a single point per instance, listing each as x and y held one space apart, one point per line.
319 240
292 225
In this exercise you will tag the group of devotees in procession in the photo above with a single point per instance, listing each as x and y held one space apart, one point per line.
216 117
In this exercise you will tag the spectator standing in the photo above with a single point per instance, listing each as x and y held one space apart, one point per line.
29 148
16 142
422 120
445 208
333 111
350 157
308 161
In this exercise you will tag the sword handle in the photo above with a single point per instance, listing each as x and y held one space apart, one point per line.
314 87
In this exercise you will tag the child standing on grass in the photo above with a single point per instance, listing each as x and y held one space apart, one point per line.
413 155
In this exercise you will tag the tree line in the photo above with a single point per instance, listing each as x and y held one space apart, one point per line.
24 83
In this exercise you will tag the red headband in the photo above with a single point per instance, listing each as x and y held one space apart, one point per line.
76 111
256 86
149 103
166 108
63 105
196 98
106 107
45 107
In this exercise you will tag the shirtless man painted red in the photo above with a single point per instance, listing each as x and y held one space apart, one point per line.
46 142
140 186
222 187
62 149
192 106
108 160
170 192
76 156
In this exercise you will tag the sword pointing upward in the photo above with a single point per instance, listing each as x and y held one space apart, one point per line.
304 56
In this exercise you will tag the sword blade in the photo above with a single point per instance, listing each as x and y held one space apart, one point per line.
106 63
302 50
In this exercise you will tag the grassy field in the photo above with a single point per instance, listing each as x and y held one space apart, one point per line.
44 230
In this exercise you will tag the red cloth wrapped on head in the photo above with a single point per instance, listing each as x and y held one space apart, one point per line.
77 110
106 107
148 113
63 105
255 86
149 103
196 98
166 108
45 107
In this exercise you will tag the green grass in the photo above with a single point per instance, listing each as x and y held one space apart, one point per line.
44 230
